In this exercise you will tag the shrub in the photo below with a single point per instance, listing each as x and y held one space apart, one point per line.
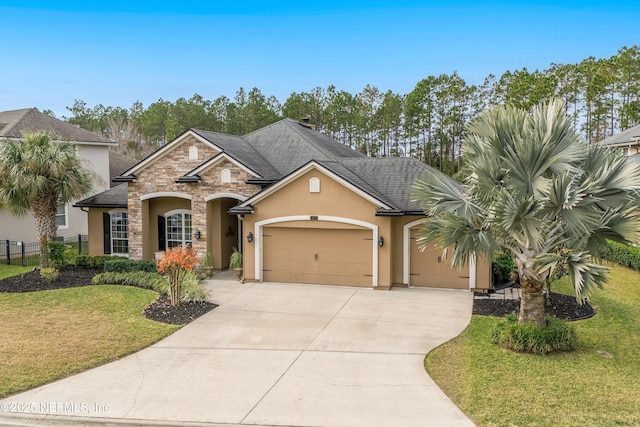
49 274
175 263
82 260
625 255
502 267
98 261
125 265
529 338
192 289
56 254
139 279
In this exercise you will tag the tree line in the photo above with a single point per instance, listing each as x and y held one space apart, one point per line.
602 97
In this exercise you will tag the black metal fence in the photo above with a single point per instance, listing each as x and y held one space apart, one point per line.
28 254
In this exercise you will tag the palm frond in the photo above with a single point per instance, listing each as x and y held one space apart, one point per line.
585 274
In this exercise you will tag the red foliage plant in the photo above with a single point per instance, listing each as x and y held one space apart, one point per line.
175 263
177 258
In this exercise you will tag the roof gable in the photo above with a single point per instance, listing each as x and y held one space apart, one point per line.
243 152
216 160
14 123
165 150
326 170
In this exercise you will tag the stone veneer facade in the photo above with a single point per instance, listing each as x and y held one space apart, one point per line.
161 176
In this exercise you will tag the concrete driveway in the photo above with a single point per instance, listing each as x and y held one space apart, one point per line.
273 354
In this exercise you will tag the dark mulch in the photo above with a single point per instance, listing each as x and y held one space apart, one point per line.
561 306
71 277
161 310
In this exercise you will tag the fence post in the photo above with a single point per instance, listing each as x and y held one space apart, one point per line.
24 258
79 243
8 253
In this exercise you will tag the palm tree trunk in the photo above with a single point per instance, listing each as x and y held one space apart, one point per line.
45 219
532 303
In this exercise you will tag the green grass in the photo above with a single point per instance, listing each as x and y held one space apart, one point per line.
12 270
495 387
52 334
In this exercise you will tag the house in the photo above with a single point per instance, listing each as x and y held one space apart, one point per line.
93 151
299 205
627 140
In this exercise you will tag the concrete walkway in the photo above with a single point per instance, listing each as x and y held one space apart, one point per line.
273 354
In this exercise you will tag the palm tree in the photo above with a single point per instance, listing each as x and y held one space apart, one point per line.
533 188
37 174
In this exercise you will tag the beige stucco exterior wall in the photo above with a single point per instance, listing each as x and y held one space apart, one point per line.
334 199
219 223
96 243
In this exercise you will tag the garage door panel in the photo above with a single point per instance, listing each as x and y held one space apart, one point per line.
430 268
323 256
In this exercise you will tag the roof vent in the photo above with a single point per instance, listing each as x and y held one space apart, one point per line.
306 122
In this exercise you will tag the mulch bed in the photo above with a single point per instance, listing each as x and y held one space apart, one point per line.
71 277
561 306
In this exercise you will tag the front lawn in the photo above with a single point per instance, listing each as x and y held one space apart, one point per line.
12 270
51 334
595 385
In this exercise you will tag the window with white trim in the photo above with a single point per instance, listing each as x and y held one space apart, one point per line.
179 228
119 232
61 216
226 175
314 185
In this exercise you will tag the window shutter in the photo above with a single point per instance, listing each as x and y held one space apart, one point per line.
106 232
162 233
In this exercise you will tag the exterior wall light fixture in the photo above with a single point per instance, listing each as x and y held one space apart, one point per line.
197 234
250 237
381 241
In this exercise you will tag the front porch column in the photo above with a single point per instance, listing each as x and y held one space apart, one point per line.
135 216
199 223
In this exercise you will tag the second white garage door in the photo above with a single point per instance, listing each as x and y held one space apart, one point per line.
322 256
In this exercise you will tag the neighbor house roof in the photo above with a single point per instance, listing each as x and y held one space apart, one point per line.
118 163
14 123
630 136
115 197
276 152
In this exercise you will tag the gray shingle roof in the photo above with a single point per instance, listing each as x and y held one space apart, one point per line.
283 147
118 163
348 173
629 136
242 151
391 176
288 144
115 197
14 123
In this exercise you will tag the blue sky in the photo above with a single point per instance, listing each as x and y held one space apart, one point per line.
121 51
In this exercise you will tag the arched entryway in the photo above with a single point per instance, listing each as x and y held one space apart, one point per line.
224 231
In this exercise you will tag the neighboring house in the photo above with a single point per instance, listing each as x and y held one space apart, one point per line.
628 140
300 206
93 151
